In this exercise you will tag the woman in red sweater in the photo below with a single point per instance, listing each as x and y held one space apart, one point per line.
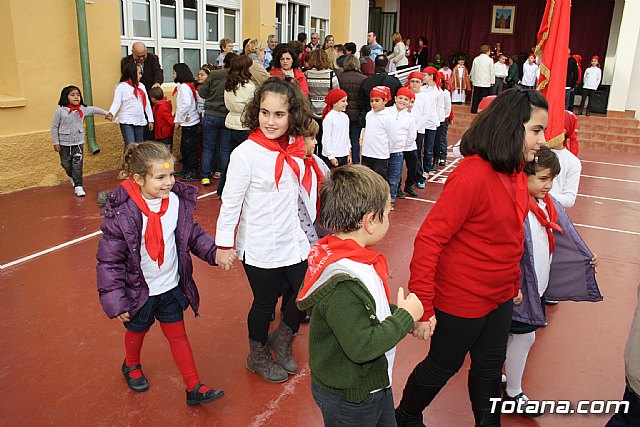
465 266
287 64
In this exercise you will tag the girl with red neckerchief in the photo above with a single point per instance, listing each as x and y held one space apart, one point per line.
261 198
188 118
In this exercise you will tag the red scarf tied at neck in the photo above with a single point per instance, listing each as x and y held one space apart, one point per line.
73 108
139 94
153 237
193 90
311 164
293 150
548 224
330 249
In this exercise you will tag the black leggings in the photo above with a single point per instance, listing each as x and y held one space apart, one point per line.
484 338
267 285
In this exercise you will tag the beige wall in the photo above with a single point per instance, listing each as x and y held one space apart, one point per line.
258 19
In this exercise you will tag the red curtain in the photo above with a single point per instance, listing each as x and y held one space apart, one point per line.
464 25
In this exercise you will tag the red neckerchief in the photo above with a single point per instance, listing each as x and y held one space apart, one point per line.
73 108
548 224
193 90
517 186
139 94
293 150
330 249
153 237
309 164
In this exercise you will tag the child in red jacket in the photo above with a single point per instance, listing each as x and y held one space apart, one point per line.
162 116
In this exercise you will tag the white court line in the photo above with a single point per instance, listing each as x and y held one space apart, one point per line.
65 244
608 229
610 179
608 198
610 164
448 168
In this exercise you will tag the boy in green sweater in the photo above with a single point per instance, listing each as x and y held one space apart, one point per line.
354 330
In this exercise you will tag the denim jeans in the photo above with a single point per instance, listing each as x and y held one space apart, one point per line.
375 411
236 137
394 174
132 133
214 133
379 166
443 140
71 161
354 136
411 158
429 142
167 307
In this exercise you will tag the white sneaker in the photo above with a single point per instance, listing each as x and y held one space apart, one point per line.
79 191
71 181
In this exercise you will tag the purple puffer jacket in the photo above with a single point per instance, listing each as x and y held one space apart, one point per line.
121 284
572 278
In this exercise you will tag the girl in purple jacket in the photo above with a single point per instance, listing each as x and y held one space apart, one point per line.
144 262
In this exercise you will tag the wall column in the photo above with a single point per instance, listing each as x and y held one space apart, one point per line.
359 25
625 56
258 19
340 22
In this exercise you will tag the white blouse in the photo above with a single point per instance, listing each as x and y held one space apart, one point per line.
131 108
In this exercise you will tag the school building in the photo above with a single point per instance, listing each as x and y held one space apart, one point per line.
39 42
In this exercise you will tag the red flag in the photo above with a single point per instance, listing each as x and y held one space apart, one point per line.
552 48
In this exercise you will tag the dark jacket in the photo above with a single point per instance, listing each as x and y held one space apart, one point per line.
151 71
350 82
421 57
572 277
121 284
572 73
367 66
212 90
379 79
513 75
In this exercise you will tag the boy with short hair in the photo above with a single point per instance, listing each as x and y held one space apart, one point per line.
354 329
375 141
164 126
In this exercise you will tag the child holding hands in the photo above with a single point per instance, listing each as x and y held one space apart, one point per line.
354 329
336 145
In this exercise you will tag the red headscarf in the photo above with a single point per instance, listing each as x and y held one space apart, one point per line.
153 237
293 150
414 75
405 91
380 92
571 132
548 224
431 70
139 94
73 108
330 100
596 57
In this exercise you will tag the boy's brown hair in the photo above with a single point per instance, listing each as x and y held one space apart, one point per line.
311 130
348 194
156 93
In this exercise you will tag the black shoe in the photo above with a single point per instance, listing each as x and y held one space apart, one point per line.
194 397
136 384
400 194
190 177
529 411
442 163
405 420
411 191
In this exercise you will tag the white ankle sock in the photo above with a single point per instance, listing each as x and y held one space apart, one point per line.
518 346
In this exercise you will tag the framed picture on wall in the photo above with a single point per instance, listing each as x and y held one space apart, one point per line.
503 19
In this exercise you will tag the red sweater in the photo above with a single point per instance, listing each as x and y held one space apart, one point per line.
466 258
297 74
163 127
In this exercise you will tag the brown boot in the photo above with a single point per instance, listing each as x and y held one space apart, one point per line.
261 362
280 342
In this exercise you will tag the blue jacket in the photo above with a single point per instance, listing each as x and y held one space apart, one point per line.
572 278
121 283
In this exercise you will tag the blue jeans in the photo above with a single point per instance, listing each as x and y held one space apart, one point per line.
236 137
443 139
214 132
132 133
354 136
420 152
394 173
167 307
429 142
376 410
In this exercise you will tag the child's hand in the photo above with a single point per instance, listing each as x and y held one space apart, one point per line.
150 126
225 258
56 148
334 162
411 303
518 298
594 261
109 117
124 317
177 125
349 159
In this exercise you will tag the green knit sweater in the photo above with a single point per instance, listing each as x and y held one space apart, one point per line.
347 342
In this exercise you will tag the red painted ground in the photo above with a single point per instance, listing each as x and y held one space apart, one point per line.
61 354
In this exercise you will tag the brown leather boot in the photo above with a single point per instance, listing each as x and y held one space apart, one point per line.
280 342
261 362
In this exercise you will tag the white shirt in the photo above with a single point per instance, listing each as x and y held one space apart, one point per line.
419 110
368 276
335 135
530 73
433 118
164 278
592 77
500 69
482 71
375 142
186 107
541 256
269 231
446 97
131 108
446 72
438 96
565 185
401 130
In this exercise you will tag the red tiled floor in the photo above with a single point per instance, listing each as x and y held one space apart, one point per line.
61 355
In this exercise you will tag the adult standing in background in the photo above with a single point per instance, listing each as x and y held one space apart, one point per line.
380 78
482 76
151 73
367 67
399 54
256 51
350 81
421 55
315 42
372 41
272 42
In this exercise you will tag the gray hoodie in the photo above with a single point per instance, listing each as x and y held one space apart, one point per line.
66 127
